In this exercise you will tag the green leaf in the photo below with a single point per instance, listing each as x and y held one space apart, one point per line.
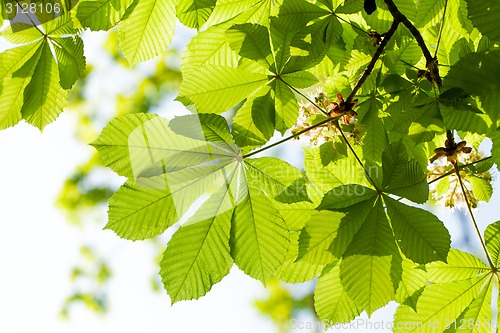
371 266
205 127
238 11
259 238
428 11
194 13
439 306
345 196
71 61
101 14
331 301
44 98
367 281
317 236
253 125
198 255
287 109
459 294
403 177
251 41
492 240
215 89
485 14
209 47
148 30
297 271
113 142
340 172
459 266
413 280
138 213
421 236
469 73
375 139
295 192
481 188
270 176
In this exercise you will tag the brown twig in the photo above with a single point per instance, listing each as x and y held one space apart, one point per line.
376 56
431 62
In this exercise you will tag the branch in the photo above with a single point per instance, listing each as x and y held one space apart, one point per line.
431 62
376 56
459 167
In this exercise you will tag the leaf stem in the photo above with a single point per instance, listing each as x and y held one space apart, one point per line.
327 120
357 157
441 28
373 61
341 133
457 171
459 167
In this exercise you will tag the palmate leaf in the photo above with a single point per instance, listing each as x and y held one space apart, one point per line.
459 294
176 164
218 88
237 11
198 255
428 11
293 271
469 73
215 89
101 14
485 15
492 240
331 301
401 176
194 13
317 236
34 82
148 30
421 236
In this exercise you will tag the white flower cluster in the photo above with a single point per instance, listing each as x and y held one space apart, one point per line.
447 191
313 113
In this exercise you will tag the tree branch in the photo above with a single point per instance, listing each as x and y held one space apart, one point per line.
431 62
376 56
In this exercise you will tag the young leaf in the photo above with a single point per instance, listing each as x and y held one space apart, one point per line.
421 236
317 236
138 213
101 14
331 301
403 177
112 144
259 238
215 89
148 30
345 196
485 14
194 13
492 240
198 255
293 271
